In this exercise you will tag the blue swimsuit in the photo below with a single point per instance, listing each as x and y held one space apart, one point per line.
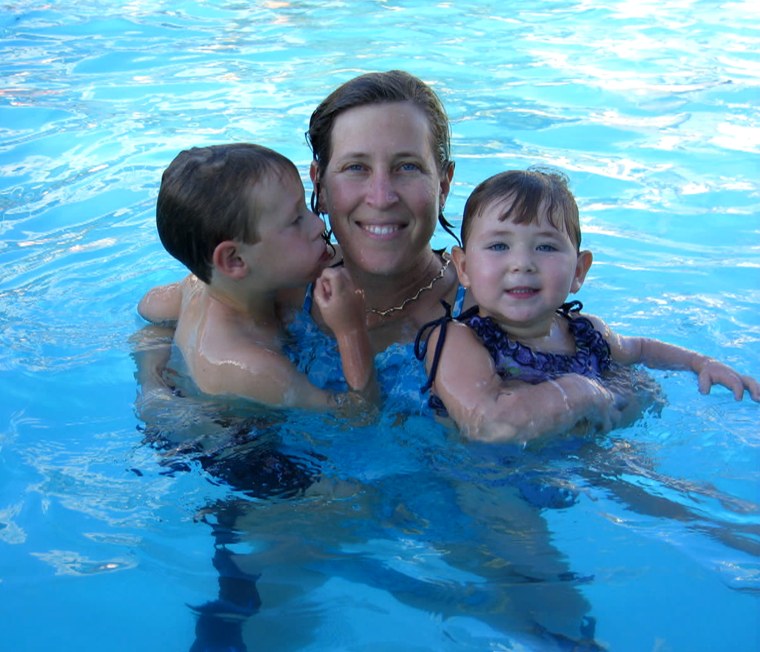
399 375
517 361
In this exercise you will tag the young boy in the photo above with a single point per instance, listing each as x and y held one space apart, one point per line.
235 216
520 259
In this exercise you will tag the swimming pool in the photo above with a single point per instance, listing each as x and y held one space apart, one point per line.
411 540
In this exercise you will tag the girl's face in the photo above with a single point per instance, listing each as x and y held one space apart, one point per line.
519 274
382 187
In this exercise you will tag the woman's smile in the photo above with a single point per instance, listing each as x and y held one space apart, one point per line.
381 231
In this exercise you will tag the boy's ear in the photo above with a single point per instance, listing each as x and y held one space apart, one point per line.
585 258
458 256
228 261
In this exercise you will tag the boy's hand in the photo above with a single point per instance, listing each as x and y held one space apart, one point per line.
340 303
712 372
342 307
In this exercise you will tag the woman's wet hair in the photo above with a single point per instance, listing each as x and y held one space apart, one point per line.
379 88
526 194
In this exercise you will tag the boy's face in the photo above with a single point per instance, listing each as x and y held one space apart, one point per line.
519 274
290 250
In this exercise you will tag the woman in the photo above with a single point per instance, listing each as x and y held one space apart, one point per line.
382 172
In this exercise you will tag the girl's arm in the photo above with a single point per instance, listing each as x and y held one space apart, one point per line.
487 408
656 354
341 305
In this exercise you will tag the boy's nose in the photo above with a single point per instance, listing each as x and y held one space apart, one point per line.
317 225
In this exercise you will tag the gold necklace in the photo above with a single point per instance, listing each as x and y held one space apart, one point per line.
408 300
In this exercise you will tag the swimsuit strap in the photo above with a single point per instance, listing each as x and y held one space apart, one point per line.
571 306
423 337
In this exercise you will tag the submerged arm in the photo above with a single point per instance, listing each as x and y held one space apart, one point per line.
489 409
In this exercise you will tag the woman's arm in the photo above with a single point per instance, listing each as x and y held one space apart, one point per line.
489 409
162 304
656 354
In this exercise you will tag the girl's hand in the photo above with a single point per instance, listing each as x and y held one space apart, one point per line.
711 372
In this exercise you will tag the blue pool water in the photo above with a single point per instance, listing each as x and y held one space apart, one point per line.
411 539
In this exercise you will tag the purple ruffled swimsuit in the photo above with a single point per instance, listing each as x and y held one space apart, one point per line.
518 362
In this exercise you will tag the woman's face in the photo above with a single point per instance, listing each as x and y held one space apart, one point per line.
382 187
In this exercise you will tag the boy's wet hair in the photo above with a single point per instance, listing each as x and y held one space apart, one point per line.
526 192
206 198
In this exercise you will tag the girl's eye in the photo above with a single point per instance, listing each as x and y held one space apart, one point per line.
497 246
546 247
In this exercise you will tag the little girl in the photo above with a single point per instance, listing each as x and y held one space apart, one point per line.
521 258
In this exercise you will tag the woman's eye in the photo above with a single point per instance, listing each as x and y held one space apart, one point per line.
409 167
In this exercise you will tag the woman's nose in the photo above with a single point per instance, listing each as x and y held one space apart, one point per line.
381 192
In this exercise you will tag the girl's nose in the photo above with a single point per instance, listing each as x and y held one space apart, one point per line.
522 260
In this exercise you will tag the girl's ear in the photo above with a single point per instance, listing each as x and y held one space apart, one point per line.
458 256
228 261
585 258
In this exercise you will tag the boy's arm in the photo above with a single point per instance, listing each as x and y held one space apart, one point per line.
162 304
656 354
265 376
489 409
342 307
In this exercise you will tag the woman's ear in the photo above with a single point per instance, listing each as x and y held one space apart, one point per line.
227 260
317 188
458 256
314 172
585 258
446 178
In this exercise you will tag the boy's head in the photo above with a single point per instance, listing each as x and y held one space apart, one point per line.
528 195
207 197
